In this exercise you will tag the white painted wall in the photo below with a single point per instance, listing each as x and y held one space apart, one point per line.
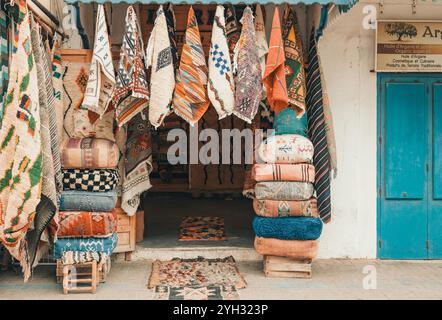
347 53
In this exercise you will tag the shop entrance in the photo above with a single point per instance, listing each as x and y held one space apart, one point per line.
410 166
196 191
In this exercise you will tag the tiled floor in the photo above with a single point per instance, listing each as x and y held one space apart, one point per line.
332 279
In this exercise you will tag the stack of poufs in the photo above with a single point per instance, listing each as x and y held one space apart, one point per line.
287 222
88 218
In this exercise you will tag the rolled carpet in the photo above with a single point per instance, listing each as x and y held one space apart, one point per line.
93 180
87 224
288 228
287 148
282 208
295 249
88 201
284 172
106 245
284 190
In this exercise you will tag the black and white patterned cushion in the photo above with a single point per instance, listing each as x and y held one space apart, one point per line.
100 180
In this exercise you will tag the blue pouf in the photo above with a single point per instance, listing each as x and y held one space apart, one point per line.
288 228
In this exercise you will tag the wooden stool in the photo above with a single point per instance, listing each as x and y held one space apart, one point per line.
80 282
281 267
81 268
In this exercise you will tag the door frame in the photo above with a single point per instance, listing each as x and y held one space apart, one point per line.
380 143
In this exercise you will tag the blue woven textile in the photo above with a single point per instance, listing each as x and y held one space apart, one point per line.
88 201
288 228
286 122
106 245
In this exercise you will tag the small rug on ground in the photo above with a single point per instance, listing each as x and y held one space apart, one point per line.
196 279
202 228
196 293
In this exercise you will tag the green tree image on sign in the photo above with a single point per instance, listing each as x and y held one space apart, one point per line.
401 30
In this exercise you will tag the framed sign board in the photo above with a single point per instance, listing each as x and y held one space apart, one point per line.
408 46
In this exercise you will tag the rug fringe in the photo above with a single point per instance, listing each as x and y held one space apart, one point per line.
154 275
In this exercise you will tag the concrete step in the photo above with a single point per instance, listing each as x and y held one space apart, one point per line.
238 253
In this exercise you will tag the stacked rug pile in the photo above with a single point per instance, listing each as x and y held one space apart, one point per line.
287 222
88 218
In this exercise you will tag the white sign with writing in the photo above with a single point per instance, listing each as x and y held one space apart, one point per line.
409 46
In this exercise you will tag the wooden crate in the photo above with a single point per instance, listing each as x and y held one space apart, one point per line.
281 267
126 230
77 55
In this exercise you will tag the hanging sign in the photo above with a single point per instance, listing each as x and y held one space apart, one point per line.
409 46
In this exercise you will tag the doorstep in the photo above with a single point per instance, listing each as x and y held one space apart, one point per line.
239 253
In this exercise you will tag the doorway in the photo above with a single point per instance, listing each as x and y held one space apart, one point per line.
409 166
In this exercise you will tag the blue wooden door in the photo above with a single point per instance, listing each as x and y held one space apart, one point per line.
410 167
435 197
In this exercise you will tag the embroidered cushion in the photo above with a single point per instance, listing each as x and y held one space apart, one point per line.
99 180
288 228
284 208
283 190
84 224
287 122
106 245
288 148
88 201
299 250
89 153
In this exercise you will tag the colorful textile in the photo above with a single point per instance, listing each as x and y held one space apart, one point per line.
233 28
83 224
215 292
87 125
171 23
329 127
289 148
138 162
288 228
284 172
294 62
89 153
90 180
261 40
190 100
55 137
75 77
43 232
178 273
274 76
202 228
298 250
88 201
248 76
4 60
131 94
20 150
101 83
285 190
318 133
77 122
57 83
48 187
159 57
78 257
221 86
283 208
287 122
106 245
